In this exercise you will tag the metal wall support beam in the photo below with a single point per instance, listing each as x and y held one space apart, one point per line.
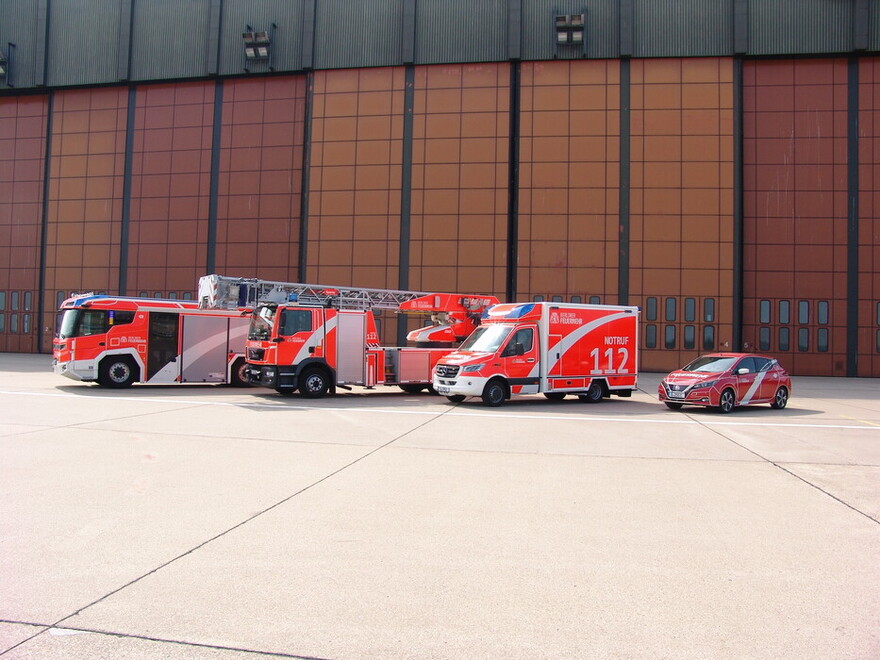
623 249
307 56
123 55
215 30
210 257
511 287
41 54
852 219
305 180
408 38
409 95
44 227
738 206
125 229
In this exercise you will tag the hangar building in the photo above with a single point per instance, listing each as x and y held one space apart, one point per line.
714 162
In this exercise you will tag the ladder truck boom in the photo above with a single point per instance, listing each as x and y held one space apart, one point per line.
223 292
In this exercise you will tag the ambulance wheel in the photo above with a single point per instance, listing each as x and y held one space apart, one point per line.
555 396
494 393
456 398
238 374
727 401
314 383
117 372
412 389
673 406
594 393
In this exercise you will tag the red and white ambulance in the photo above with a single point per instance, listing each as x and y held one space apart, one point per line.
544 347
117 341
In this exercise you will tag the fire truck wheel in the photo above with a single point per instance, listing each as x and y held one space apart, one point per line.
238 374
314 383
412 389
727 401
555 396
456 398
494 393
594 393
117 372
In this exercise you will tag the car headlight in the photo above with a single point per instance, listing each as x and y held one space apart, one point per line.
472 368
708 383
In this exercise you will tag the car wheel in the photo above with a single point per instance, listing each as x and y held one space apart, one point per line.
456 398
494 393
673 406
780 399
117 372
314 383
594 393
727 401
555 396
238 374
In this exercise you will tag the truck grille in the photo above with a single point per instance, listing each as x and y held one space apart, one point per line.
447 370
256 353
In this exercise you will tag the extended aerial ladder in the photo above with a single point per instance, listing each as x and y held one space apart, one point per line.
453 316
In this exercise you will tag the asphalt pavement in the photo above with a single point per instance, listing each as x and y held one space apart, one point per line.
222 523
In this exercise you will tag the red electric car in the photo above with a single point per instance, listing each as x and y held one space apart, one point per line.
725 381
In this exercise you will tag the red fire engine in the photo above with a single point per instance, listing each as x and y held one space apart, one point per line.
118 341
542 347
315 338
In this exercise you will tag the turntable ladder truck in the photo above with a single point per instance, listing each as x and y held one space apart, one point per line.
315 338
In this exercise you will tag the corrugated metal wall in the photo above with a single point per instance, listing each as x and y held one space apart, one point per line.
89 40
170 39
461 30
779 27
19 24
355 33
83 41
691 28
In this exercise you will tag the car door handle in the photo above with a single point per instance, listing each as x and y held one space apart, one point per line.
530 360
100 343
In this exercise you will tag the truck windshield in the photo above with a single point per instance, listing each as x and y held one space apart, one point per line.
486 339
261 322
82 323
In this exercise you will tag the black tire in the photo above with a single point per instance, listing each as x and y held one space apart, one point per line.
780 399
673 406
595 392
727 401
411 388
555 396
494 393
238 374
456 398
313 383
117 372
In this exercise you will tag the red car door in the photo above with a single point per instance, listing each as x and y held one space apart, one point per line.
747 383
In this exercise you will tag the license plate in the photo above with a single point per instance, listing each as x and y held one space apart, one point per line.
676 395
442 389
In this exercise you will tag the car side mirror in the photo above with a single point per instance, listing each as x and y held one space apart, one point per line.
742 370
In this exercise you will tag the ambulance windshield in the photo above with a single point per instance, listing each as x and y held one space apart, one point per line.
261 322
486 339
